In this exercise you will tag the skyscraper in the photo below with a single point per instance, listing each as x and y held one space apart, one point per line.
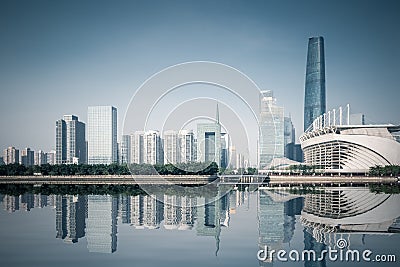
153 153
314 98
209 141
171 147
70 140
137 147
271 139
289 136
102 135
101 231
187 146
125 148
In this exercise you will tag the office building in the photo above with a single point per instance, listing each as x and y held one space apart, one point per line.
232 157
315 99
102 135
271 135
209 142
224 150
153 153
186 146
171 147
125 150
289 132
10 155
70 140
27 157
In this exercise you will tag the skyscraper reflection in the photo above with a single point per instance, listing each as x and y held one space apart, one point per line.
70 217
101 231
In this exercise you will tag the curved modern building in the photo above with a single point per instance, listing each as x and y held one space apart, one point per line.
350 148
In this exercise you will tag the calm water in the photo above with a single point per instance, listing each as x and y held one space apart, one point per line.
197 230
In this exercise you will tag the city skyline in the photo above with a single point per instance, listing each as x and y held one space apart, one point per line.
47 57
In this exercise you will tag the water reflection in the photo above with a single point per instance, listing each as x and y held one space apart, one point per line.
321 216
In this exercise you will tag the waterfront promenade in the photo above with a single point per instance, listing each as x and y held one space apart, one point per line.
198 180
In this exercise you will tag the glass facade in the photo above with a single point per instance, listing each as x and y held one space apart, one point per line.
271 135
315 99
209 142
70 140
102 135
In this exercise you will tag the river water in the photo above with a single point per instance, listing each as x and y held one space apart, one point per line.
239 228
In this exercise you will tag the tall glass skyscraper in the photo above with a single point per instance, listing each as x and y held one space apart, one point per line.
70 140
314 99
102 135
271 135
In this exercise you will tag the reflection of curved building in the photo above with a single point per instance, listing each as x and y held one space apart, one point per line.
348 209
349 148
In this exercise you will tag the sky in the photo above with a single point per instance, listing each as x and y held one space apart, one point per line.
59 57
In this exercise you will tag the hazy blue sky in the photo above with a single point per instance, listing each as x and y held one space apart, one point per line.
59 57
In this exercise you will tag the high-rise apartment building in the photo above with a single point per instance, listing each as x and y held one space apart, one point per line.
171 147
27 157
70 140
125 150
186 146
40 158
153 153
10 155
314 98
102 135
271 135
51 157
137 147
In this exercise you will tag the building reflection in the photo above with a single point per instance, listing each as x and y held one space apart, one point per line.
325 215
333 213
101 228
276 220
70 217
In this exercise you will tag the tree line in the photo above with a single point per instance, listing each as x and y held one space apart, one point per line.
388 170
195 168
128 190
